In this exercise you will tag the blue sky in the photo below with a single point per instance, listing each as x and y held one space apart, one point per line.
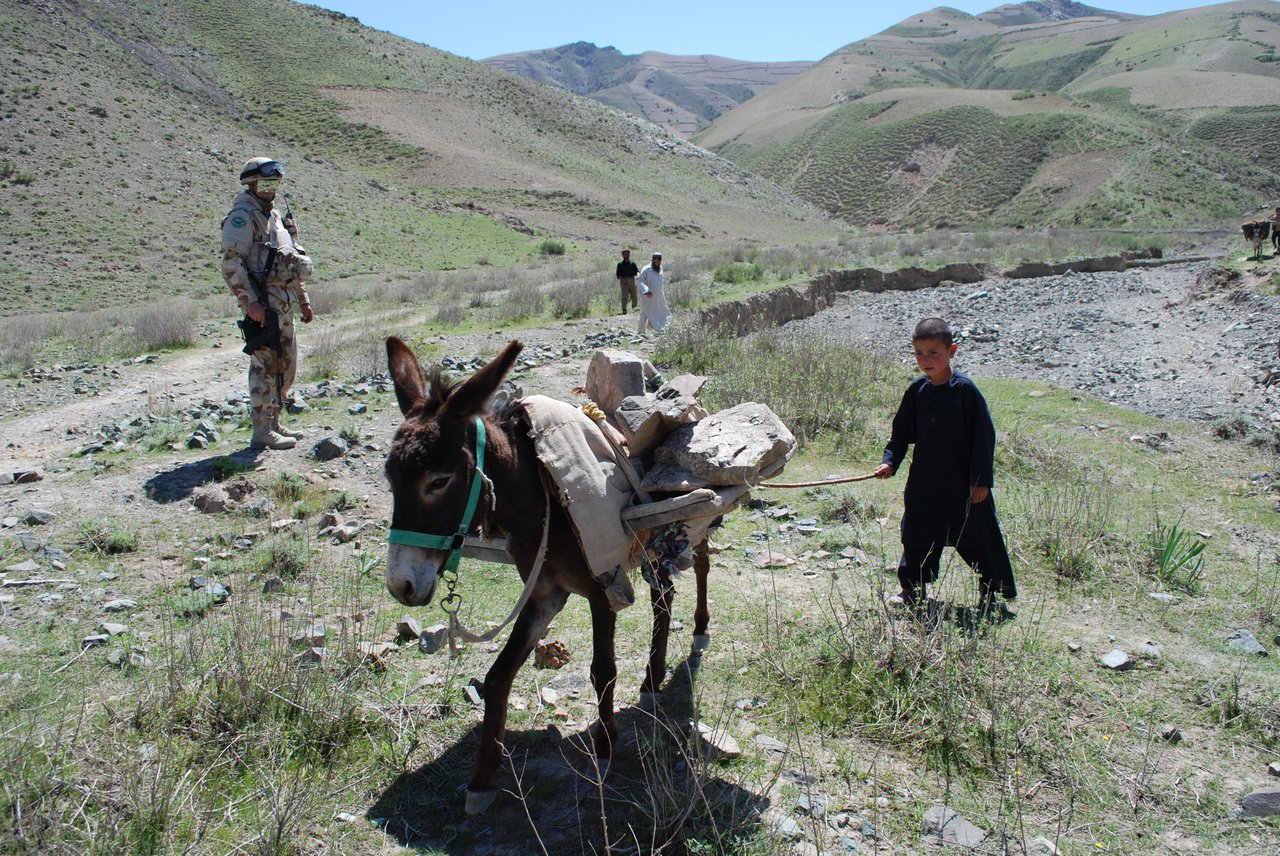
744 29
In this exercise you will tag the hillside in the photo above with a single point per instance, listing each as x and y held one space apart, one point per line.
680 93
1031 114
125 125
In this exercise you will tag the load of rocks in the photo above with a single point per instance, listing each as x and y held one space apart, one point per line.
674 444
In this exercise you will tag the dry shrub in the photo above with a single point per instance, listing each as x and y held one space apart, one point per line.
166 324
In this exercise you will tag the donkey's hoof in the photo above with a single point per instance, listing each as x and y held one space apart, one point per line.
478 802
701 642
648 701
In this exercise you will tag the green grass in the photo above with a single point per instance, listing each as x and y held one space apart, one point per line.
886 715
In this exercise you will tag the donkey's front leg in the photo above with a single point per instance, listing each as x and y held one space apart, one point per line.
533 622
657 668
604 676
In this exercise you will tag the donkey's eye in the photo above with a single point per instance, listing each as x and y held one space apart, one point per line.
438 483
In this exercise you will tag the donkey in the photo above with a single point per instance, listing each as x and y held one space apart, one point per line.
431 468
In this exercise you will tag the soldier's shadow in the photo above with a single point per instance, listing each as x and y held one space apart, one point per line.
178 484
659 787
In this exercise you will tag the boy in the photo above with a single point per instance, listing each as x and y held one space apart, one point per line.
948 495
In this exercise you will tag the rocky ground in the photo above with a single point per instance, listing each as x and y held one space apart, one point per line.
1185 341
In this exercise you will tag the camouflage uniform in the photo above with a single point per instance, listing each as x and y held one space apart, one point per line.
247 230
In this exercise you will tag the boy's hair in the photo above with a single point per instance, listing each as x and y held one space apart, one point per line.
933 328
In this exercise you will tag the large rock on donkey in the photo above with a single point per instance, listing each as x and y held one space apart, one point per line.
647 420
737 446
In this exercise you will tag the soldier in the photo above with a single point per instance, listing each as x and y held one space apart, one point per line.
267 271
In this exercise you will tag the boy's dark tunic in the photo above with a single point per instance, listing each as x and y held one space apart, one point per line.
955 441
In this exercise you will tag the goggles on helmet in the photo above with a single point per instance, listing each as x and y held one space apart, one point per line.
271 169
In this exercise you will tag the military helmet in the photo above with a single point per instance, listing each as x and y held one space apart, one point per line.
256 168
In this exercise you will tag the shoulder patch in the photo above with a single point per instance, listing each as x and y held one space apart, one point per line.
237 221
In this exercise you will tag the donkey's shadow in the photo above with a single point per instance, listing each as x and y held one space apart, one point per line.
659 788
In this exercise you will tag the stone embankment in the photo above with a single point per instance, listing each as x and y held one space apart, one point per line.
792 303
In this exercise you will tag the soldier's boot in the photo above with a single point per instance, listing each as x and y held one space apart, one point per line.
286 432
264 438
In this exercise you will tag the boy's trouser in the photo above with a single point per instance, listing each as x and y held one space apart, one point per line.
987 555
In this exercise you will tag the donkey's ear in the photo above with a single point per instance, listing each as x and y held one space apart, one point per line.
406 373
468 399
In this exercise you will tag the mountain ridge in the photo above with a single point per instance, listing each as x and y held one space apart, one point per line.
1187 95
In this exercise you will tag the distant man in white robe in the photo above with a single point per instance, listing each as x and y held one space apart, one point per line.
653 298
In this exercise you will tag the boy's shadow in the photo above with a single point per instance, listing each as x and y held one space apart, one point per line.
658 788
179 483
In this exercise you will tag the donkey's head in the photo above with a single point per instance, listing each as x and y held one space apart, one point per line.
431 465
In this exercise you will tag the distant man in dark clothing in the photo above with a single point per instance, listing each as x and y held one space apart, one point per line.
1275 230
948 499
627 271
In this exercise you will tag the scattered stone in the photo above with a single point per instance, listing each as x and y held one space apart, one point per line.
329 449
1149 651
788 829
1041 846
1117 660
218 592
549 696
311 637
357 409
1170 733
1264 802
199 582
433 639
551 654
10 522
211 499
54 556
375 654
719 741
949 827
115 657
39 517
346 532
1274 768
1164 597
271 585
812 806
97 639
28 567
346 817
27 477
328 520
474 691
771 745
1073 647
1243 640
309 657
114 629
284 523
119 605
408 628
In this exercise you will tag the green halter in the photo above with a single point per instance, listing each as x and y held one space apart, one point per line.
452 543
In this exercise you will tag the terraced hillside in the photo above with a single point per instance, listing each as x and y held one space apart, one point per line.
124 126
1035 113
680 93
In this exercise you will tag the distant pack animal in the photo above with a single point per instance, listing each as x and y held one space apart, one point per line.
1256 233
431 468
